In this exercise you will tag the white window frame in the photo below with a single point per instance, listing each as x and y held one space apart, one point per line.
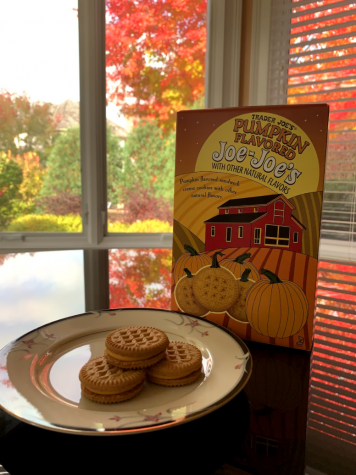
221 90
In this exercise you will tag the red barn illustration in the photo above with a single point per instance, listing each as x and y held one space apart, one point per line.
262 221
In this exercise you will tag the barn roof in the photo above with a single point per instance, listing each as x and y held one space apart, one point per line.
235 218
243 218
252 201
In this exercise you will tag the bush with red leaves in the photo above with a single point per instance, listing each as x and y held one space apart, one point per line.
60 204
141 205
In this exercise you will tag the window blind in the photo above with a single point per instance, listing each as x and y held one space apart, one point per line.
313 60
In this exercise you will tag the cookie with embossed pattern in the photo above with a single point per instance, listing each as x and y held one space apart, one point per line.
180 366
107 384
135 347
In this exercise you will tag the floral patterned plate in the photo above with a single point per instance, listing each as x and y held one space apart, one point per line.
40 385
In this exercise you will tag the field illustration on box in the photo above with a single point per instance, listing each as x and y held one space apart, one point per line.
247 214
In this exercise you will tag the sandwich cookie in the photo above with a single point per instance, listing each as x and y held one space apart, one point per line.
181 365
135 347
107 384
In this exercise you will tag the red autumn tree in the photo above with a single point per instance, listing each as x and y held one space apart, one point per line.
155 56
26 126
140 278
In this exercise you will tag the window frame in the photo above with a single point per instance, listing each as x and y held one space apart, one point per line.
257 240
277 238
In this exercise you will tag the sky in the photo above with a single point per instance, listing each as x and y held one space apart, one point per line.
39 51
39 288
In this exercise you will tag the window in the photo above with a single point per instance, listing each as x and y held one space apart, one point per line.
239 210
295 238
40 120
241 232
227 211
100 193
278 209
212 231
257 236
255 210
228 234
277 235
266 446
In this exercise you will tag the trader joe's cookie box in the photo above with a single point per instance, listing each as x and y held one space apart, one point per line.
247 210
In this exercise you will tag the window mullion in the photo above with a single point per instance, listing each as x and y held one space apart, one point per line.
93 117
223 53
93 149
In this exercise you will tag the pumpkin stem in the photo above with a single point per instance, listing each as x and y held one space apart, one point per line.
245 274
189 274
273 278
215 264
191 250
242 257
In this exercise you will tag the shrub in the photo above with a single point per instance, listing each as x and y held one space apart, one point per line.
147 226
47 223
72 223
60 204
141 205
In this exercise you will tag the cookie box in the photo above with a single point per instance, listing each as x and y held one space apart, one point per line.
248 197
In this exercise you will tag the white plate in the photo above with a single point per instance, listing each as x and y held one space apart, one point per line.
40 385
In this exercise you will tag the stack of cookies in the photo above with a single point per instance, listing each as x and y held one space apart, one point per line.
131 354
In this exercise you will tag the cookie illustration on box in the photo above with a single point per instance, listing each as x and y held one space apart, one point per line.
191 260
248 193
185 297
215 287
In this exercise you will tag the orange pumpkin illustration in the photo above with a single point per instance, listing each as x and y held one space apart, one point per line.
238 310
192 260
276 308
239 264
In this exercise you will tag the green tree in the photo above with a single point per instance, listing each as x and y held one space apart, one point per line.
64 165
149 161
26 126
10 181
